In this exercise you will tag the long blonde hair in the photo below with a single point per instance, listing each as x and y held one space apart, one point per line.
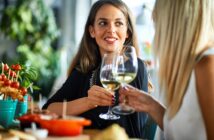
183 29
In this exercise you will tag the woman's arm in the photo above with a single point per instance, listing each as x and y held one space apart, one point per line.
97 96
157 111
143 102
74 107
204 79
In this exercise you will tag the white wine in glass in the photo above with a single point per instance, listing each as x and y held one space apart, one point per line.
111 85
125 77
109 82
125 71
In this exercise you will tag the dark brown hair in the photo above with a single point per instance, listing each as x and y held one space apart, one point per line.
88 56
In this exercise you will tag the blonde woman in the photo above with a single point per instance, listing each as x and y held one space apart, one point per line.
184 50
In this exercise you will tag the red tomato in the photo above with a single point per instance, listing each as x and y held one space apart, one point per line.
7 82
12 73
18 67
23 90
6 67
13 67
15 84
4 77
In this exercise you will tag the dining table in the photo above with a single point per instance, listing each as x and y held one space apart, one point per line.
15 134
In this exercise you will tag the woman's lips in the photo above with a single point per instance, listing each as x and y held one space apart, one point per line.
110 40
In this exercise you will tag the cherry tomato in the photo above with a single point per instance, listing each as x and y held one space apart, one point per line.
23 90
4 77
12 73
6 67
15 84
13 67
7 82
18 67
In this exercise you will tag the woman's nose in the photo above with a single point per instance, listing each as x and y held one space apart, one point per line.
111 28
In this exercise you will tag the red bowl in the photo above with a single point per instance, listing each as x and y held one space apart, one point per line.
63 127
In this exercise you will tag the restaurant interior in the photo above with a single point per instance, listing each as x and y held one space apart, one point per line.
55 34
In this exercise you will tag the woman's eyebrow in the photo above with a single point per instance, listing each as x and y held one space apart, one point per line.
117 19
102 19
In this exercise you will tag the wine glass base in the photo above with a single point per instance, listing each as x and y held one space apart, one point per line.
109 116
123 110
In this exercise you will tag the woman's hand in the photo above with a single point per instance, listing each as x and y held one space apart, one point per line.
139 100
99 96
143 102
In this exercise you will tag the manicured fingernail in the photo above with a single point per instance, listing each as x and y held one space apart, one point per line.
125 88
113 101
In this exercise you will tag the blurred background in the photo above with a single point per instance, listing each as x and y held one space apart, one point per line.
46 35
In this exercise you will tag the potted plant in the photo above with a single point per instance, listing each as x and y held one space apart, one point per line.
31 24
14 84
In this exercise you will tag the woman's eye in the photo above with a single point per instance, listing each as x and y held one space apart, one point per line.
119 23
105 23
102 23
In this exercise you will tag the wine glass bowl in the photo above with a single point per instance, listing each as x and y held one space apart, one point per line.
125 71
107 78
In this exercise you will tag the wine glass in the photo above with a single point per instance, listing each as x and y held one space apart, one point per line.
125 71
109 82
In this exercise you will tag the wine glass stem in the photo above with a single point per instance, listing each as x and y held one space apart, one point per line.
110 111
123 85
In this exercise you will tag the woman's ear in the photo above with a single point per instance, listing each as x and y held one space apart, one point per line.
91 31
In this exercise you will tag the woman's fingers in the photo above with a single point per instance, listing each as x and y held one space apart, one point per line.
100 101
100 96
135 98
122 97
128 90
125 92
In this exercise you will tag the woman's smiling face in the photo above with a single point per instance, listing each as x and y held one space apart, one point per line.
109 29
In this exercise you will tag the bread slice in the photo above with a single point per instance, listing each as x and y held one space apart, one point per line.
113 132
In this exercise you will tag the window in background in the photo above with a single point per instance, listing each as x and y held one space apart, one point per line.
142 12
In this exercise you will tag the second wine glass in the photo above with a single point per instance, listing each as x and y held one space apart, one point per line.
125 71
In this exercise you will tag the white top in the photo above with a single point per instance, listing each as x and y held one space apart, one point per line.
188 123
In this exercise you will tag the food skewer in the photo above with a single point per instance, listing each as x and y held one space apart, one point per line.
32 105
64 108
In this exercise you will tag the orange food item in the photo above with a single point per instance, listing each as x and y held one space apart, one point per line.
60 127
71 126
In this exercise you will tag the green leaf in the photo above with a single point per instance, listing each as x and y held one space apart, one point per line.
32 25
